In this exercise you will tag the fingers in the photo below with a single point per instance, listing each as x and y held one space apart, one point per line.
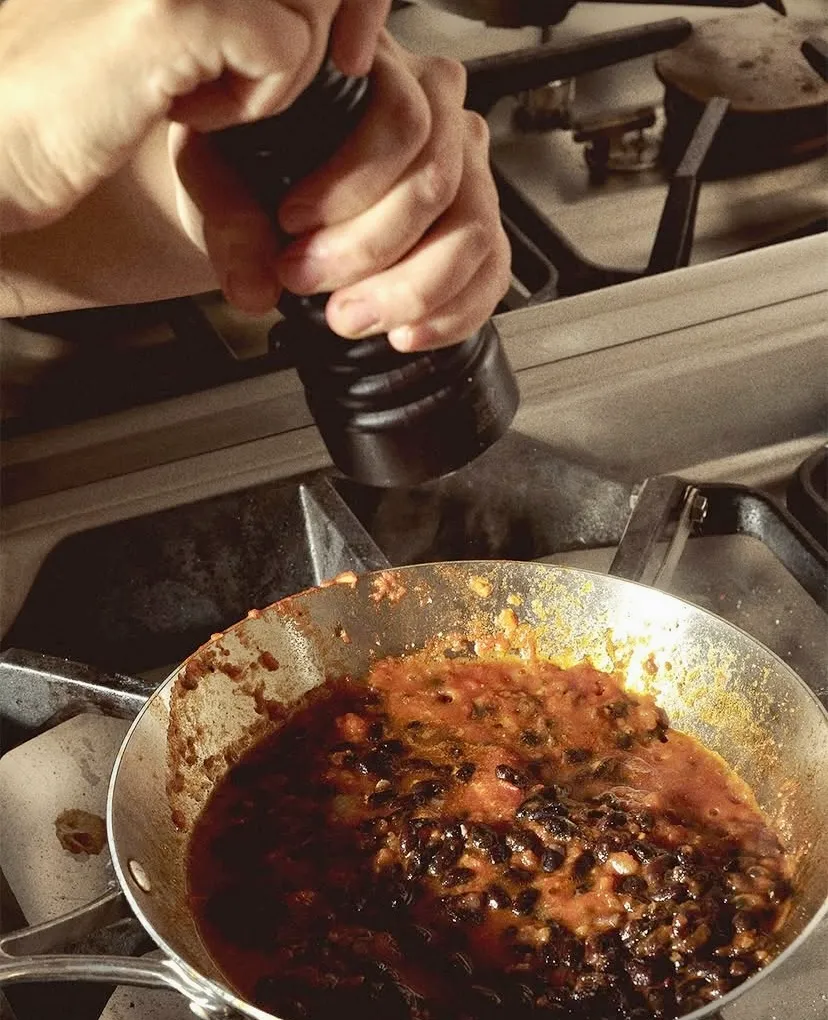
229 63
448 285
389 138
237 234
355 33
461 317
377 238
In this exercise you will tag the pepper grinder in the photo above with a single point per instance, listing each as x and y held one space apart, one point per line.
388 419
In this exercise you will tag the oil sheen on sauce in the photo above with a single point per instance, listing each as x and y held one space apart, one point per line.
466 840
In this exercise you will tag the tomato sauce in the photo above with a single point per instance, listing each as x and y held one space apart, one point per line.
484 839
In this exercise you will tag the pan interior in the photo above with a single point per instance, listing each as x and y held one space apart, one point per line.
713 680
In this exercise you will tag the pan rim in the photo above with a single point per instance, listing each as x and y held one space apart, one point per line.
229 998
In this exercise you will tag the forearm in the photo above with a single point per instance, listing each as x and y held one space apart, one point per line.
123 244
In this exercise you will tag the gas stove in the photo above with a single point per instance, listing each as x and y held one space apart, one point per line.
145 507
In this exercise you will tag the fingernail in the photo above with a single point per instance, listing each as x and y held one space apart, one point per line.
402 337
297 219
357 319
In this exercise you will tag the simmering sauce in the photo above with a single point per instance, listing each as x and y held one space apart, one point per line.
471 840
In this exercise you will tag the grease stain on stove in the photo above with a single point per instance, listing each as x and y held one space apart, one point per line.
80 832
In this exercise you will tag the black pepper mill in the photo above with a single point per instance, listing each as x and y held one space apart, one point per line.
388 419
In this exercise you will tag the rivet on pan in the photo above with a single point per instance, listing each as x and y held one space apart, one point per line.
139 876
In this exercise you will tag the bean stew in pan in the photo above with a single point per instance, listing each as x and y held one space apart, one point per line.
471 840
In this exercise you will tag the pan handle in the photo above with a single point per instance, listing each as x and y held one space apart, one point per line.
25 957
713 509
659 503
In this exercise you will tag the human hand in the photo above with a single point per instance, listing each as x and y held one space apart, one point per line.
402 225
82 82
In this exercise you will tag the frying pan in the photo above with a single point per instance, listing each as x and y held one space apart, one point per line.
714 680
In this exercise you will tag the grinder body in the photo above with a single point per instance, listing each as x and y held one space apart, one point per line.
388 419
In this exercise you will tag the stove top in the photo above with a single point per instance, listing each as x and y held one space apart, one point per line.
165 509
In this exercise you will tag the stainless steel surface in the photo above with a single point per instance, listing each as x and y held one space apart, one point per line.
39 690
654 503
720 685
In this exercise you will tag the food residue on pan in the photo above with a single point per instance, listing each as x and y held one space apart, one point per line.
481 586
80 832
387 585
347 577
484 839
342 634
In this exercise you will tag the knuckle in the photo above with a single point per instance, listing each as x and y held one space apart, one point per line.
447 74
477 130
478 235
436 184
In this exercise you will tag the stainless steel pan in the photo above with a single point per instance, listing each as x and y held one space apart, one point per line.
713 679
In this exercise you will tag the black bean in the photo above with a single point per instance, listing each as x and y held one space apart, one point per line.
398 896
488 842
427 789
415 725
380 797
633 885
375 762
392 747
643 852
458 876
610 843
497 898
525 901
509 775
415 864
602 952
424 936
522 840
465 908
624 741
577 755
645 820
444 859
642 972
560 828
552 859
584 863
459 964
520 876
617 709
561 948
780 891
674 891
617 819
408 838
538 809
463 773
375 731
444 698
486 997
530 739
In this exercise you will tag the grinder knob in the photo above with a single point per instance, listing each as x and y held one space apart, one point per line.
387 419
